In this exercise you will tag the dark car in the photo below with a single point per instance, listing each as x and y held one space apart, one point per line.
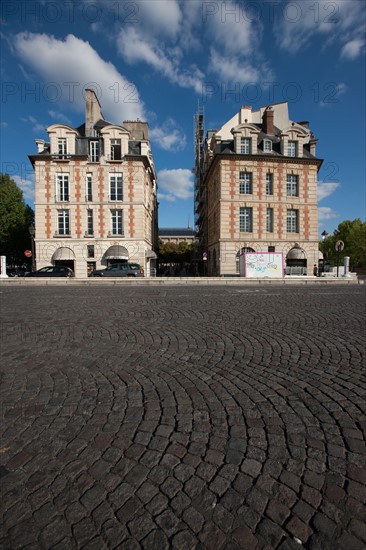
119 270
52 271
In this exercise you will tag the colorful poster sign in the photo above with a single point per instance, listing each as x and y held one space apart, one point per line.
263 264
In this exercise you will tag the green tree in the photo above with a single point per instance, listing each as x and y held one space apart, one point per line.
15 218
353 234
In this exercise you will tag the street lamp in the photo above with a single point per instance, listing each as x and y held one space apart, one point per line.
324 238
32 233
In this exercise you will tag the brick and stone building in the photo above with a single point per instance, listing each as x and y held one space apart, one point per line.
256 190
95 194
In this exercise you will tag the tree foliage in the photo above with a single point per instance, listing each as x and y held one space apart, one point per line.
176 253
353 234
15 218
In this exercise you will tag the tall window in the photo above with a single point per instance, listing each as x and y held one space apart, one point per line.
269 184
267 145
292 185
62 193
94 151
116 187
63 221
292 149
90 222
292 221
62 146
246 219
269 225
245 146
116 152
117 222
245 183
89 187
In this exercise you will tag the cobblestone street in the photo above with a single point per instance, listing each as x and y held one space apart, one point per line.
168 417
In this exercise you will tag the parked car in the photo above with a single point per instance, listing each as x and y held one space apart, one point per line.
52 271
119 270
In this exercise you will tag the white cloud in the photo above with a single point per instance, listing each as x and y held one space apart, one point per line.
36 126
164 16
352 49
326 188
342 21
59 117
230 30
326 213
27 186
71 65
233 69
135 47
169 136
175 184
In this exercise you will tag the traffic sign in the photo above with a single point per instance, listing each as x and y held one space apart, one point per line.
28 253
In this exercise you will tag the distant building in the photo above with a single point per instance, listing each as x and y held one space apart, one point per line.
95 194
256 189
177 235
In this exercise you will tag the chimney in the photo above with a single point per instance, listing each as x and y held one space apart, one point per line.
40 145
313 143
245 114
268 121
93 112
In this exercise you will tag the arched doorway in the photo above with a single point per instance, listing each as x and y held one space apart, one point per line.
296 261
64 256
237 257
115 254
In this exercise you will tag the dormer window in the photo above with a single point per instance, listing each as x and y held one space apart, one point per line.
94 151
116 151
267 146
245 146
62 147
292 149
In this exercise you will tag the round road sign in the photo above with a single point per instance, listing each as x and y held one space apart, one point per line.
28 253
339 246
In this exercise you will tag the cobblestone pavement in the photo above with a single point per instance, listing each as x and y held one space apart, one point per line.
209 418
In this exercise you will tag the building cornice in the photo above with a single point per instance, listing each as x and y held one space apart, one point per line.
282 160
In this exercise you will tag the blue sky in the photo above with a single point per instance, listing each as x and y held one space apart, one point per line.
158 59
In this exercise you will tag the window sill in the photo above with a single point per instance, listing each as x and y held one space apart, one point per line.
58 236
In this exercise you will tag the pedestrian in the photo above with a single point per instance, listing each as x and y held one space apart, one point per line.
315 270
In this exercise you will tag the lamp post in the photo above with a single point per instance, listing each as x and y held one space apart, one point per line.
324 238
32 233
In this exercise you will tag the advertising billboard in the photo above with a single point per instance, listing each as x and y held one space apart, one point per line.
262 264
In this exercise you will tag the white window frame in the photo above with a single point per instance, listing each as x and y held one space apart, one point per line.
292 220
89 187
62 147
117 222
90 221
116 144
94 150
292 148
245 146
62 188
245 183
63 222
269 183
267 145
292 185
246 219
116 187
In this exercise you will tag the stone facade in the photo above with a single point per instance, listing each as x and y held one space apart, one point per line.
95 194
260 196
